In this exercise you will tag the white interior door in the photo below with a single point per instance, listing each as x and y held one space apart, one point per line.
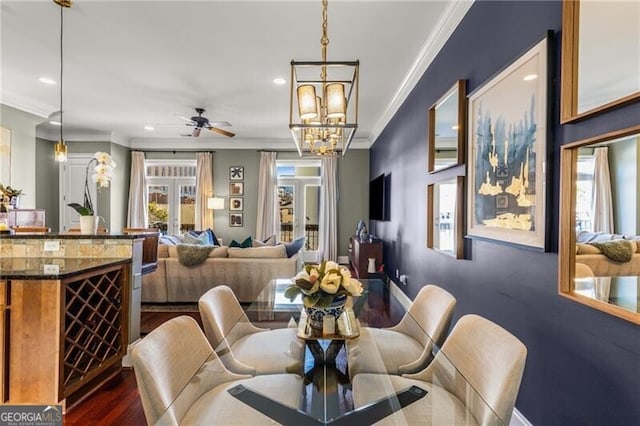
72 176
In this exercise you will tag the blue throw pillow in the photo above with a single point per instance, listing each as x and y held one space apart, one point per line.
209 237
202 239
171 240
294 246
245 244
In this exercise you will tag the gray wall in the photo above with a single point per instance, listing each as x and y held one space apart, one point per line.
47 183
23 152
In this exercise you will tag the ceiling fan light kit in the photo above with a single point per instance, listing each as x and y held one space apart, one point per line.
327 107
198 122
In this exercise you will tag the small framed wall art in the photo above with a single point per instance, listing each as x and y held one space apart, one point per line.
236 203
236 219
236 188
236 173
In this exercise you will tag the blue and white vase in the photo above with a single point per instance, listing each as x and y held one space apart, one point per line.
316 315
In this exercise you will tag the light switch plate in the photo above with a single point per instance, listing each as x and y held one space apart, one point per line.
51 269
52 245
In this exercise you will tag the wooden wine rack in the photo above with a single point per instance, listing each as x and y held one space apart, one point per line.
93 326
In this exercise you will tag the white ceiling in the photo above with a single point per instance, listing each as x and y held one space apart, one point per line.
128 64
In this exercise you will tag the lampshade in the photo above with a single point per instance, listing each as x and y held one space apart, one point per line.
336 107
215 203
307 101
60 152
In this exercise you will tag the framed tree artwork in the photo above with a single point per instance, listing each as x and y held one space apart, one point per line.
507 153
236 188
236 203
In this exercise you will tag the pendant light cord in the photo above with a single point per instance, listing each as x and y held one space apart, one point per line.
61 72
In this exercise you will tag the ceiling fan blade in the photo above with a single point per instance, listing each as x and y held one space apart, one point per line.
196 132
221 132
184 118
219 124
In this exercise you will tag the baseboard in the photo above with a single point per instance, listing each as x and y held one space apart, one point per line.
517 419
400 295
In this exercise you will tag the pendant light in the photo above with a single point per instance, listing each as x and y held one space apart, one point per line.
60 149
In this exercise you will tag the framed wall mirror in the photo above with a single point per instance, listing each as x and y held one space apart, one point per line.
599 247
445 216
600 62
447 130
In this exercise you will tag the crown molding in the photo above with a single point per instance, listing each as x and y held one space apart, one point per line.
448 22
20 103
53 134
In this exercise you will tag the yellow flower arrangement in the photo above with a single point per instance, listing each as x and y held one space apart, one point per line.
321 284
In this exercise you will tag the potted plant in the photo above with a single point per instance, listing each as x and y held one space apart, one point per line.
103 173
324 289
10 196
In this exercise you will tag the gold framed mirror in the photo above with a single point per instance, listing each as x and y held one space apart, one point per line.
445 216
599 243
447 129
600 56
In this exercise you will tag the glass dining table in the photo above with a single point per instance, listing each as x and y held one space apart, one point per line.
329 395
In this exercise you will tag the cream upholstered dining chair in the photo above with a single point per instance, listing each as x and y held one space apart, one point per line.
406 347
473 379
243 347
182 381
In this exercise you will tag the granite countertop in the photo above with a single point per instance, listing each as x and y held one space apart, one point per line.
72 236
25 268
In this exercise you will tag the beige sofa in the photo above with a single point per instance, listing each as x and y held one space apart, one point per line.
245 271
600 265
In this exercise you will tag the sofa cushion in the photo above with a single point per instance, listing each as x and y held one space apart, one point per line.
294 246
269 241
271 252
216 252
584 248
244 244
171 240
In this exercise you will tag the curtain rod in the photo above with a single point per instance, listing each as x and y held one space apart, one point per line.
174 151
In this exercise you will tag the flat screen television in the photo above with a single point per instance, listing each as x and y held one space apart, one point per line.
377 198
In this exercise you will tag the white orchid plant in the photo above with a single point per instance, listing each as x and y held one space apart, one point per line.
103 173
320 284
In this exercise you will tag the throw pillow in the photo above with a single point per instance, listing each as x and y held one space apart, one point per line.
193 254
170 240
210 236
269 241
245 244
294 246
202 239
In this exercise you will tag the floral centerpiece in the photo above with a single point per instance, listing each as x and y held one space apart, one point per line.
10 195
324 289
102 175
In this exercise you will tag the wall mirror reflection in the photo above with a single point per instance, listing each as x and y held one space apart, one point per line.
599 252
447 118
445 216
600 62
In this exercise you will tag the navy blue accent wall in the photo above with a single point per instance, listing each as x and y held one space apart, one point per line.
583 366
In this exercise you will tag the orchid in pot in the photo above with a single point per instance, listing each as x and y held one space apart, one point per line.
324 289
103 166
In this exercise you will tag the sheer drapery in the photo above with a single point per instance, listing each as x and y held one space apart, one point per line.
268 213
204 190
602 206
137 216
328 226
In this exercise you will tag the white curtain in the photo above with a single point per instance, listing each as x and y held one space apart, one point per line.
268 213
137 211
602 206
204 190
328 237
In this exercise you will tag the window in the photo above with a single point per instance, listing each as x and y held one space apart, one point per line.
171 189
299 203
584 193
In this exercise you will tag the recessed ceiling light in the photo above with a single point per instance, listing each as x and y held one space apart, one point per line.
149 128
47 80
530 77
279 81
55 123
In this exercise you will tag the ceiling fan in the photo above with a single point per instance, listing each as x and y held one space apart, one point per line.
198 122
